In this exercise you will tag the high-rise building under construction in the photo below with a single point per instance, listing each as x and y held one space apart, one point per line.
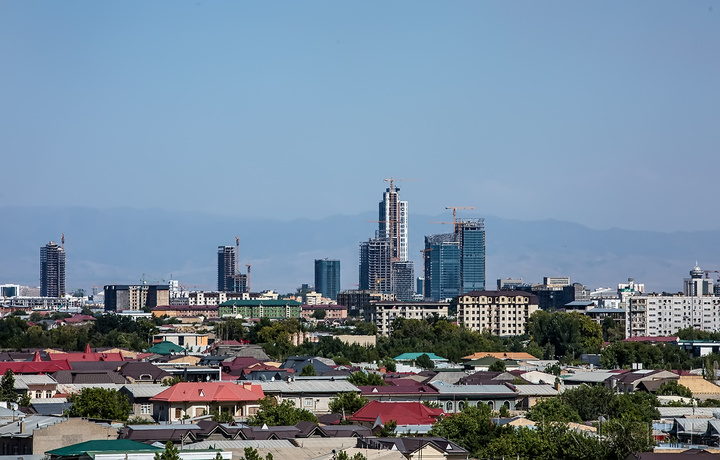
52 270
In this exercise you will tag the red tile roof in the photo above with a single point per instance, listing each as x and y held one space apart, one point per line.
210 392
34 367
651 339
404 413
86 356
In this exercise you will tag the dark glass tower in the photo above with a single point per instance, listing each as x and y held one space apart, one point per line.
226 268
327 277
52 270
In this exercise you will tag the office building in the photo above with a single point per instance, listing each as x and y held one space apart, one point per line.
503 313
393 223
9 290
52 270
327 277
442 267
359 300
471 233
696 285
403 278
375 265
229 279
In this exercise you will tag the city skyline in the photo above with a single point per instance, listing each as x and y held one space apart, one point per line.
576 112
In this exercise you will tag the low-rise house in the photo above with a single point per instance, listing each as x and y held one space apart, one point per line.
417 448
528 395
37 434
36 386
628 382
128 450
376 414
313 395
189 399
142 372
454 398
140 397
420 393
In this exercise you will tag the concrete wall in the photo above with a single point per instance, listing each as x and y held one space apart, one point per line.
68 432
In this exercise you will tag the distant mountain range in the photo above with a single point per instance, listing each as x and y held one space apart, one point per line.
121 245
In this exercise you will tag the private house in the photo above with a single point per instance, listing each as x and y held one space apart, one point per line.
454 398
189 399
36 386
140 397
376 414
417 448
37 434
417 392
313 395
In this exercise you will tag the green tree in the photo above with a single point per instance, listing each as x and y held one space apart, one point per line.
252 454
7 387
137 420
626 435
472 428
425 362
101 403
319 314
342 455
273 414
673 388
223 417
347 403
25 400
389 364
308 371
170 452
388 429
497 366
553 410
230 329
362 378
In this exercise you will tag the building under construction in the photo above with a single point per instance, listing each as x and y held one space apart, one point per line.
375 265
229 279
52 270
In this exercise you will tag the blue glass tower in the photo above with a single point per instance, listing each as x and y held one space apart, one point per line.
471 234
442 266
327 277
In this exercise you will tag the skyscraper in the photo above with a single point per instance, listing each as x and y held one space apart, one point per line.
52 270
471 234
375 265
442 266
393 223
403 277
226 268
327 277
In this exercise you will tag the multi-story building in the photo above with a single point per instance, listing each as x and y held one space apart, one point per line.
332 312
229 279
359 300
384 313
502 313
655 315
375 265
442 267
393 223
471 236
327 277
135 297
52 270
9 290
277 309
403 279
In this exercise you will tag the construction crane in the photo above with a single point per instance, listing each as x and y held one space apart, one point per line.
707 273
62 240
454 210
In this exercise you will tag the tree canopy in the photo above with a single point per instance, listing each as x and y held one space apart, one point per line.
273 414
100 403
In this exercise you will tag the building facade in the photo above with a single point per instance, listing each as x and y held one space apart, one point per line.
403 279
384 313
52 270
277 309
471 233
229 279
503 313
327 277
359 300
442 267
375 265
135 297
656 315
393 223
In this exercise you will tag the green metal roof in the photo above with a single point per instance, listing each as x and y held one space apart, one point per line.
165 348
415 356
254 303
103 446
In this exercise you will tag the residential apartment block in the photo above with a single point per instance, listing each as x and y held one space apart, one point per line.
663 315
501 313
278 309
384 313
126 297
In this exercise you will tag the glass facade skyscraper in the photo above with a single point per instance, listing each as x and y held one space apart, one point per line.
471 233
52 270
327 277
442 266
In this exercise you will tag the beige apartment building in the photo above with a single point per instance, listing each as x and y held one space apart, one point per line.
501 313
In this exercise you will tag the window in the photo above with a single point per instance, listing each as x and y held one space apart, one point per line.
38 394
145 409
308 402
448 406
178 412
48 394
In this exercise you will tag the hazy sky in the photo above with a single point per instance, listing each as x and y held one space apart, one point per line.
601 113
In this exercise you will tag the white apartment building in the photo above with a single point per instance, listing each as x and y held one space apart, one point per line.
501 313
384 313
663 315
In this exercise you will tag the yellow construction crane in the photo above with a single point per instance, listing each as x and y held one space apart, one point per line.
454 210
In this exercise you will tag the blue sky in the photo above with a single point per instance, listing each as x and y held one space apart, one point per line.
601 113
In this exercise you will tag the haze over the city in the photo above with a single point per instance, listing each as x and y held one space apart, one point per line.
604 115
